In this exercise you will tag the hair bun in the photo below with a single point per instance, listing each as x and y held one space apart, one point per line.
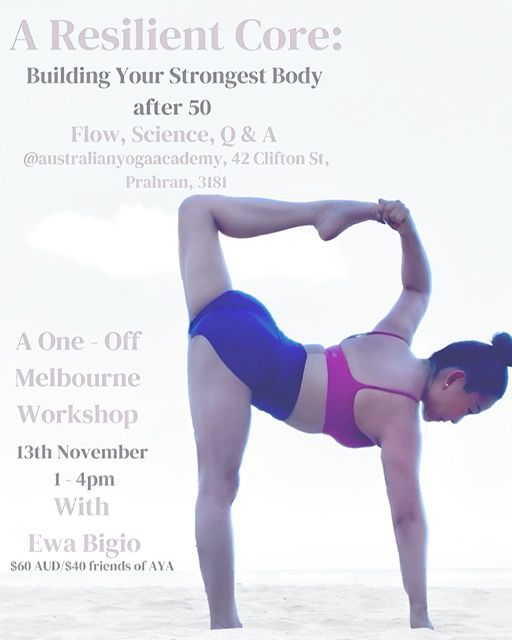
502 343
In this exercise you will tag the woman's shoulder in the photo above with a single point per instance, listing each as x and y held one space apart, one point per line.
377 341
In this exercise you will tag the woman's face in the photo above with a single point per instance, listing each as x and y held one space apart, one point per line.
446 400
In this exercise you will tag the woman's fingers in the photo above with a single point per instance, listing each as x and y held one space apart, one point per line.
383 210
393 212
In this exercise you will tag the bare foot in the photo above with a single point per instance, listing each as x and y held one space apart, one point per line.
330 223
419 618
236 624
342 214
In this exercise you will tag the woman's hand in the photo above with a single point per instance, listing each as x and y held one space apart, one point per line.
395 214
419 617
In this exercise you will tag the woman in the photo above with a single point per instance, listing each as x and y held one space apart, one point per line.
363 392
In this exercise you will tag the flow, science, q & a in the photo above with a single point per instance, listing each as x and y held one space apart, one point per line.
145 34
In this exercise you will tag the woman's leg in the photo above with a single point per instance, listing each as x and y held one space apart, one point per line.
203 268
220 402
248 217
220 407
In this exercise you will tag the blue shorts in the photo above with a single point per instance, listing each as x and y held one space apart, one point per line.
248 341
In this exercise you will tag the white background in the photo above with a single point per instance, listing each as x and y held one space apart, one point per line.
416 105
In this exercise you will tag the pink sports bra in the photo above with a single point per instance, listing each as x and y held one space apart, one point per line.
342 388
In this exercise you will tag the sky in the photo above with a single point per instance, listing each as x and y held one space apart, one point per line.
415 105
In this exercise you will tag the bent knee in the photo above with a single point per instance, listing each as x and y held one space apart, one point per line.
188 210
192 203
194 216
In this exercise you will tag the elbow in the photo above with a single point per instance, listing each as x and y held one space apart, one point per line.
404 519
425 288
422 292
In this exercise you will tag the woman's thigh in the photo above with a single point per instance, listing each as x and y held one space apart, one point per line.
220 406
203 268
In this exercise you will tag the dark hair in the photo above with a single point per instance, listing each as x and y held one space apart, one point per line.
485 365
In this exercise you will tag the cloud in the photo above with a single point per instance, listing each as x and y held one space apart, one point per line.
140 241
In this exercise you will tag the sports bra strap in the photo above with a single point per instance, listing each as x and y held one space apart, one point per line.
379 333
385 333
397 392
387 389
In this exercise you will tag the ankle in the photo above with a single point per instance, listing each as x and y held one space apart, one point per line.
231 622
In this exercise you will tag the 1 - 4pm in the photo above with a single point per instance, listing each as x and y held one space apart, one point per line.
89 482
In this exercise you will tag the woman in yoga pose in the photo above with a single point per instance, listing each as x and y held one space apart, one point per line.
363 392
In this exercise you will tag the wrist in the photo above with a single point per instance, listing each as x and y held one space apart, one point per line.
377 212
407 229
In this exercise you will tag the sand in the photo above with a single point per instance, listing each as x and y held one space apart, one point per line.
319 612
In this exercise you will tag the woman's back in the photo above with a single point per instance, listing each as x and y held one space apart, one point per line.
334 395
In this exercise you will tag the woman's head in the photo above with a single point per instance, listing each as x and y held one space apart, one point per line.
467 377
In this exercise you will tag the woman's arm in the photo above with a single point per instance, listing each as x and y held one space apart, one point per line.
412 304
400 460
415 267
